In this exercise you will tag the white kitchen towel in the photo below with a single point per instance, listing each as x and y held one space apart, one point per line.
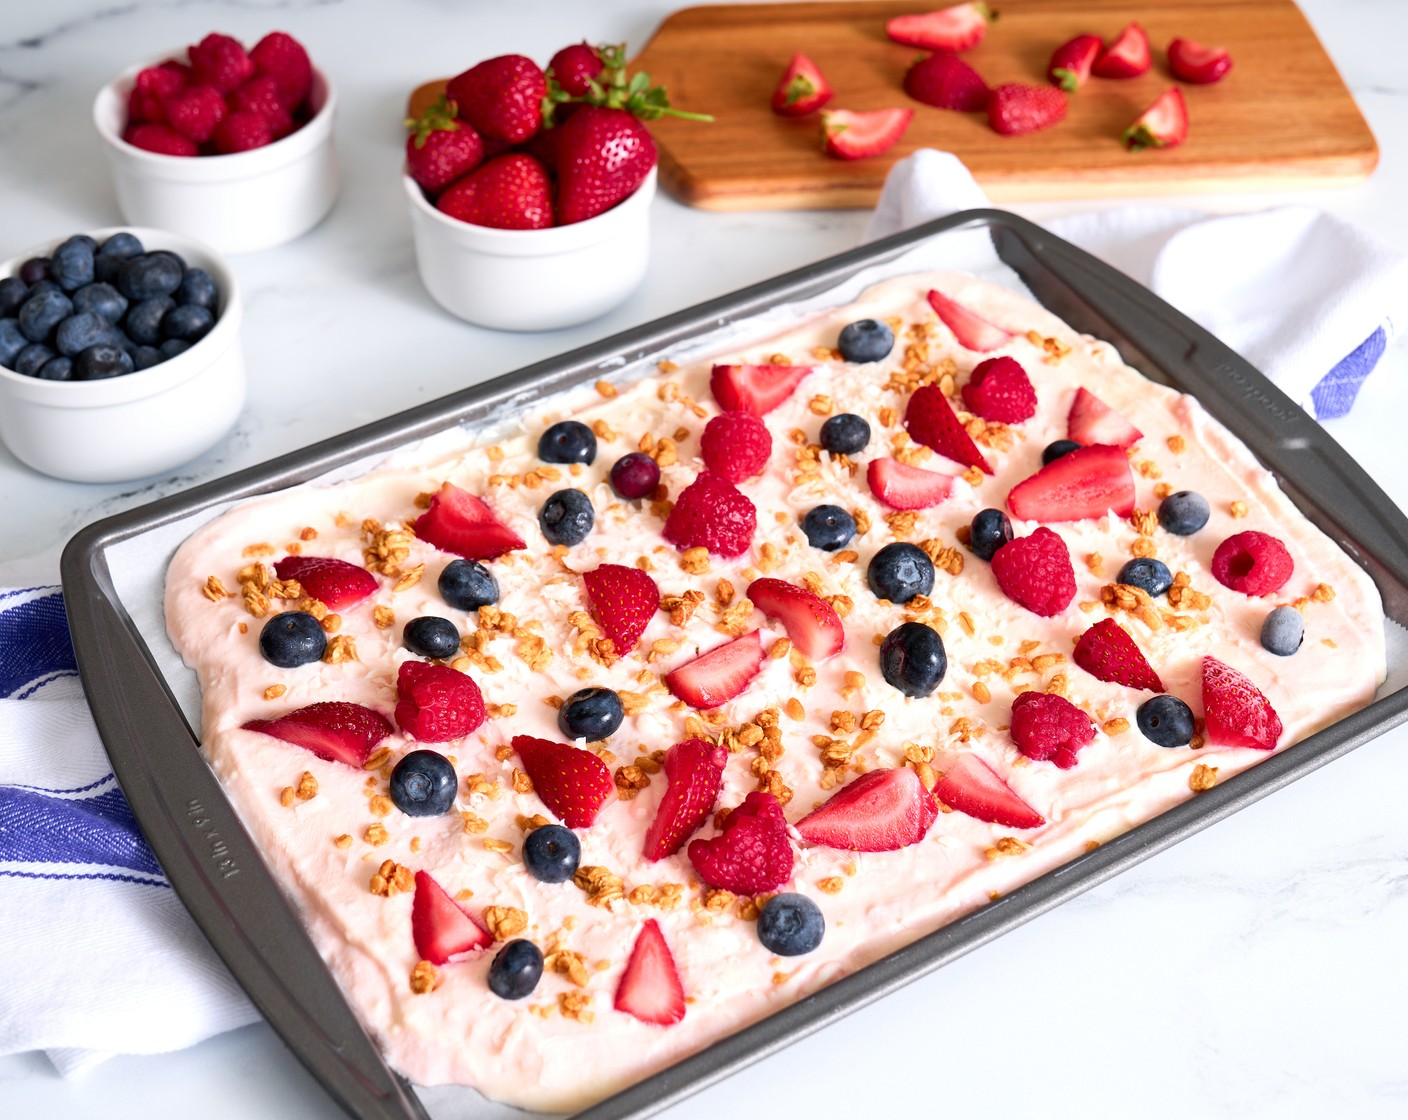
100 955
1308 299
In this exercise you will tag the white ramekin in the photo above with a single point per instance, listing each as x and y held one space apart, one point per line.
235 203
532 279
140 424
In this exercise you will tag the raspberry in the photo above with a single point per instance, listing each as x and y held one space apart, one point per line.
436 703
280 56
1252 563
1049 728
752 854
160 139
150 89
220 61
736 445
712 514
1000 390
241 132
1036 572
194 113
261 96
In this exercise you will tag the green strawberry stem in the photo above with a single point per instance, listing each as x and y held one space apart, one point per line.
439 117
613 89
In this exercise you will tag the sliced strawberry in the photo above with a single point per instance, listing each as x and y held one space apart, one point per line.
1086 482
1091 420
718 676
436 703
1071 61
572 782
973 787
881 811
1108 653
812 624
755 389
694 771
336 583
442 930
1235 712
650 988
901 486
1190 61
1016 109
334 730
459 522
972 331
752 854
623 601
949 29
1127 57
846 134
802 89
930 420
1164 124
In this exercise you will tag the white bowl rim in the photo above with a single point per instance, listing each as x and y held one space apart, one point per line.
143 382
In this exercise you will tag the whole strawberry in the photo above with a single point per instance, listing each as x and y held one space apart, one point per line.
281 57
947 82
440 148
510 192
501 97
220 61
603 156
574 67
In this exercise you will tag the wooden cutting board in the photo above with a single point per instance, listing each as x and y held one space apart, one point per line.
1282 118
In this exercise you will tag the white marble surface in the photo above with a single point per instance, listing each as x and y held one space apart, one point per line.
1255 970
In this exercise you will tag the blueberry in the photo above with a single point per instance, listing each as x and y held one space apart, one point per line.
144 357
12 341
106 266
42 287
13 292
85 240
102 361
56 369
1054 451
1283 631
790 925
912 658
865 340
989 531
568 441
567 517
431 636
1152 576
198 289
1184 513
635 476
1166 721
845 434
187 322
423 784
143 320
828 527
173 346
34 270
72 263
468 585
122 245
292 638
591 713
899 572
42 312
31 359
85 329
149 276
551 853
102 299
516 970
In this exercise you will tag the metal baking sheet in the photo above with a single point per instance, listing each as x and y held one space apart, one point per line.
141 704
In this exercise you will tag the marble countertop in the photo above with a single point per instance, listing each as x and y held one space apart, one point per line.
1254 969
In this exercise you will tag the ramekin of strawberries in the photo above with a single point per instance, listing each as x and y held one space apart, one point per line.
522 182
227 145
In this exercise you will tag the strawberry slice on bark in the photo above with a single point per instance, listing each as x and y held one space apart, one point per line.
440 927
457 521
694 771
335 730
336 583
752 854
1164 124
881 811
812 624
755 389
802 89
1127 57
901 486
848 134
572 782
930 420
650 988
1091 420
1087 482
971 329
973 787
718 676
1108 653
1235 712
623 601
949 29
1190 61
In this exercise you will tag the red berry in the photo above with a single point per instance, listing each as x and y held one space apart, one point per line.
1070 63
635 475
150 89
881 811
736 445
1016 108
336 583
436 703
971 786
195 112
801 89
571 781
718 676
1049 728
280 56
261 95
603 156
1085 483
847 134
439 157
694 773
1252 563
650 989
711 513
623 601
1235 712
160 139
901 486
1127 57
755 389
945 81
242 132
1035 571
972 331
1108 653
1091 420
1164 124
574 67
1000 390
812 624
456 521
220 61
440 927
1190 61
930 420
334 730
949 29
501 97
508 192
752 853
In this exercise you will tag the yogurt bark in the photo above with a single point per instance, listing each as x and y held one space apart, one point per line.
345 854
